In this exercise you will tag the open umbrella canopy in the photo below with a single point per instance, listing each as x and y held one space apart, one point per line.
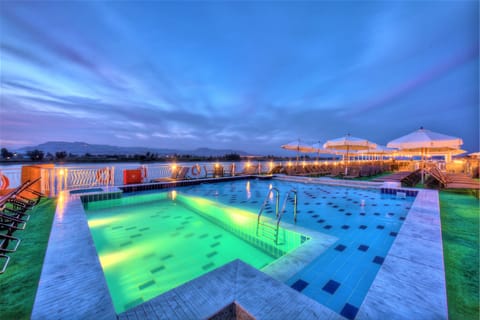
378 150
348 143
299 146
426 140
318 147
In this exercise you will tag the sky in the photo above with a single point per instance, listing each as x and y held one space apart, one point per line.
247 76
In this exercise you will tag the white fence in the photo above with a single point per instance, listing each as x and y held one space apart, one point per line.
60 178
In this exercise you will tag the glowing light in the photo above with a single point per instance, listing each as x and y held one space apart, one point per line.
61 172
247 164
238 219
270 186
173 194
95 223
216 165
304 163
174 167
289 163
249 194
271 165
60 206
110 259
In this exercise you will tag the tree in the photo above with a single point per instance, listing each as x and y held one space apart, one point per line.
35 155
232 157
60 155
6 154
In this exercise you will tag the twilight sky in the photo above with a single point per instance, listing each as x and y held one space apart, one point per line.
247 76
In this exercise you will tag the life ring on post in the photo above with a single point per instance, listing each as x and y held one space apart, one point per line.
103 176
196 170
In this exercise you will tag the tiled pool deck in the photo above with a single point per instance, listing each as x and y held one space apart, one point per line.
409 285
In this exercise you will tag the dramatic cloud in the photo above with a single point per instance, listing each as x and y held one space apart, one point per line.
240 75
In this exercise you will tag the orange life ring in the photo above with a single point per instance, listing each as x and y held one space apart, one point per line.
5 182
196 170
103 176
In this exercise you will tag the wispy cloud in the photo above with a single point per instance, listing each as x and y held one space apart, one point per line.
236 75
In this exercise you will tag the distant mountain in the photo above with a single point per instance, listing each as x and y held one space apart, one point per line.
81 148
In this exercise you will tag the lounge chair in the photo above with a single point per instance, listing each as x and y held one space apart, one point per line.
450 181
5 260
6 242
353 173
336 171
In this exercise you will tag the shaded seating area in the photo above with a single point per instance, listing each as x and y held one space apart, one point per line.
335 170
14 206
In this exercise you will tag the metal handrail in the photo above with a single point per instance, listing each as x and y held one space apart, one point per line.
273 189
287 196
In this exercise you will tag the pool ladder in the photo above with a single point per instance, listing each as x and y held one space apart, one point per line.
268 230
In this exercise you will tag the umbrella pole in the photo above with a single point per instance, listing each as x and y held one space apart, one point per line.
423 167
346 165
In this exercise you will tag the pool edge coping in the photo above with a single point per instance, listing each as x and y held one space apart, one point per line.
421 209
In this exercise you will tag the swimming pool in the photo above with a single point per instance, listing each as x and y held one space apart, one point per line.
151 243
365 221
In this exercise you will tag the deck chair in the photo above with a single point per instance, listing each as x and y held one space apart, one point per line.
5 260
8 243
353 172
24 197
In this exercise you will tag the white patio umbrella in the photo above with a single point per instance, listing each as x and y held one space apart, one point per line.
423 142
319 149
298 146
349 143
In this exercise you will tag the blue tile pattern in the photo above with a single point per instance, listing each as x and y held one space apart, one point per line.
363 247
378 260
299 285
349 311
352 215
331 286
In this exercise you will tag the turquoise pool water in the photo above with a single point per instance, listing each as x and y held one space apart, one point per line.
365 222
151 243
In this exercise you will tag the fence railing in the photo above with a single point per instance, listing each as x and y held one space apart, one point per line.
58 178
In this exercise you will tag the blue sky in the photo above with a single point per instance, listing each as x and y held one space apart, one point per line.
242 75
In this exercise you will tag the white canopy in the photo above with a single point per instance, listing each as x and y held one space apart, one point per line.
299 146
423 140
349 143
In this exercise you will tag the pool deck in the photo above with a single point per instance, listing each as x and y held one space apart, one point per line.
409 285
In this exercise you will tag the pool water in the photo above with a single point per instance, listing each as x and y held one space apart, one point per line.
365 222
86 190
149 244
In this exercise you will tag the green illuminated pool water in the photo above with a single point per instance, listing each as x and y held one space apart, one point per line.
150 244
